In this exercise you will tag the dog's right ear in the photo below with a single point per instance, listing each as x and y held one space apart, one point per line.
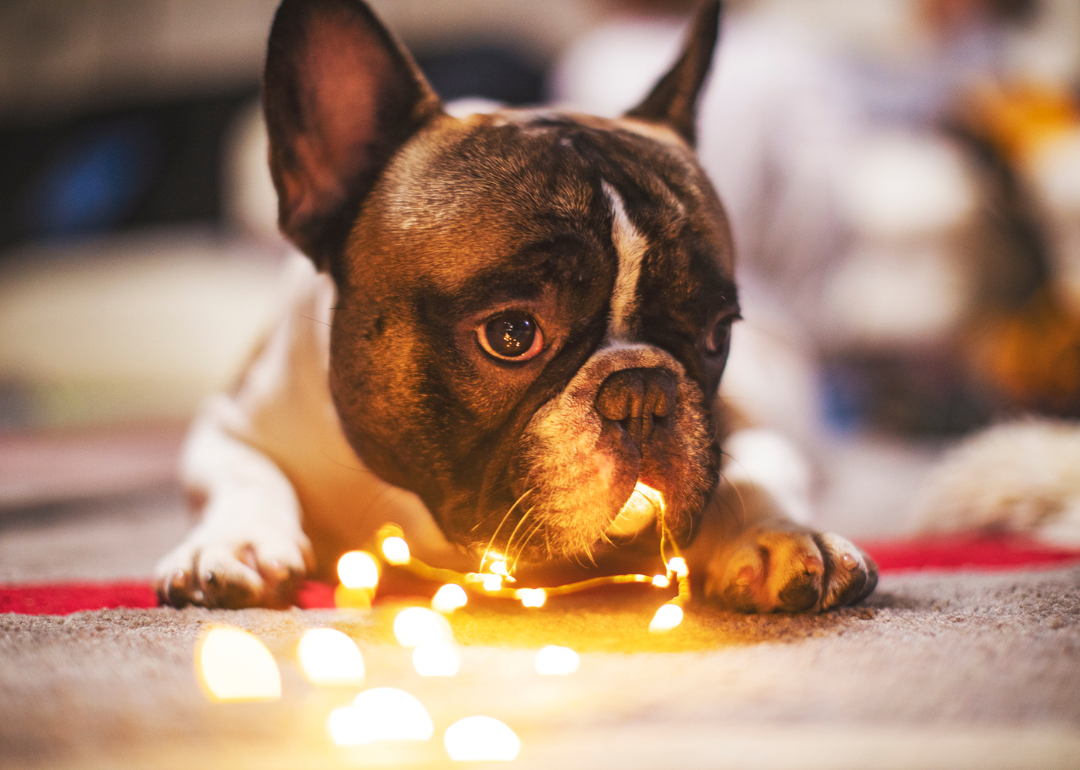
673 101
340 95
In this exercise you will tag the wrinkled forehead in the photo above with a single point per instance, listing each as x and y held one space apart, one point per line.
503 189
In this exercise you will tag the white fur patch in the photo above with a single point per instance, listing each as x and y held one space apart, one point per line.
766 459
1021 476
630 246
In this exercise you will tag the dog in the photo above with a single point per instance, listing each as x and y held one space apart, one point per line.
504 322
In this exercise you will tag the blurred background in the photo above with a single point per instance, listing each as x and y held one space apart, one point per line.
903 179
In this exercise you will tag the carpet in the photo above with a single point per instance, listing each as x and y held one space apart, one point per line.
939 669
963 550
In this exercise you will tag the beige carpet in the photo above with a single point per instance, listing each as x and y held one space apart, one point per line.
946 671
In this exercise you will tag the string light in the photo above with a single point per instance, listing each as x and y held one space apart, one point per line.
358 569
380 714
329 657
556 661
449 598
358 572
666 618
235 666
481 739
390 542
396 550
417 625
531 597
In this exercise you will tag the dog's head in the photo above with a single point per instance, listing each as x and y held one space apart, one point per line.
533 307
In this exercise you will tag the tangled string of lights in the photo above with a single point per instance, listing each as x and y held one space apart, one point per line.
359 573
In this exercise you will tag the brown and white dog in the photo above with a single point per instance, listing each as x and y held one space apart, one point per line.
507 321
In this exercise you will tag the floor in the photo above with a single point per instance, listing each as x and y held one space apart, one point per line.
935 671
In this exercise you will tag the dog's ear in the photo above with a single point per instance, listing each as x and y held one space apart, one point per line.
674 99
341 95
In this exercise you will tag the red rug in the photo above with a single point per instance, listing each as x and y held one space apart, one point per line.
967 551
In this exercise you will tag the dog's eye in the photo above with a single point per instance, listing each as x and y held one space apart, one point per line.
511 337
718 336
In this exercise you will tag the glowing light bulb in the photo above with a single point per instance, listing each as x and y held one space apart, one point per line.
346 727
358 569
677 564
639 510
234 665
499 568
650 494
666 618
481 739
449 598
661 581
329 657
556 661
436 659
380 714
417 625
396 550
531 597
492 582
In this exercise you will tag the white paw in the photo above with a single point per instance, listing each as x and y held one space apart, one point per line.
259 568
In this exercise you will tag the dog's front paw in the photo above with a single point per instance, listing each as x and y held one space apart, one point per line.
259 569
790 571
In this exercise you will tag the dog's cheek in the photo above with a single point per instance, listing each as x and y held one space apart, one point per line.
373 380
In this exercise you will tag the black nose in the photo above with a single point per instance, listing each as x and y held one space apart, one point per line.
638 400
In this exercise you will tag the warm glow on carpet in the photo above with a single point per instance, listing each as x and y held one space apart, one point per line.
556 661
414 626
235 666
481 739
436 659
329 657
380 714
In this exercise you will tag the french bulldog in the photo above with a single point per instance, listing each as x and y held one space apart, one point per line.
503 324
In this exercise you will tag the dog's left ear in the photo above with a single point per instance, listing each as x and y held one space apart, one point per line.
674 99
341 95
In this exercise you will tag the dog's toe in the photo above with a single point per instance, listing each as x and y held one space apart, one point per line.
790 571
851 574
233 573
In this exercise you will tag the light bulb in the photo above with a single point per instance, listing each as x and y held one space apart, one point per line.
235 666
329 657
449 598
666 618
481 739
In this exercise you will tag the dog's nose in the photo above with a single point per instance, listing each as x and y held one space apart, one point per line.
637 399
